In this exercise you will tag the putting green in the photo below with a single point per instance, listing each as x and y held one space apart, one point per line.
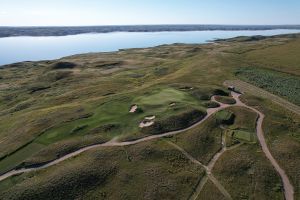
163 96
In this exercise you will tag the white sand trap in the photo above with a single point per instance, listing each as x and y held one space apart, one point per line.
133 109
146 124
172 104
150 117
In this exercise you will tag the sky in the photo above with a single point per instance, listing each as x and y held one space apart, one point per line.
136 12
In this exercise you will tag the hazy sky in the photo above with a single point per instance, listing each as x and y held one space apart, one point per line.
121 12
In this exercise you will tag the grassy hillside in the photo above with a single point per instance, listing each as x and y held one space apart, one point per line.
49 109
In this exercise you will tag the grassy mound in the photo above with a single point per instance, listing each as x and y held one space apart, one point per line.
176 122
60 149
211 104
225 117
225 100
207 93
155 170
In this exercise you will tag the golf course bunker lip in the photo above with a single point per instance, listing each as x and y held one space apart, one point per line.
148 121
150 117
144 124
133 108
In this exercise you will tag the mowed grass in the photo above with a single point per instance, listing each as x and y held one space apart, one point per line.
17 158
108 120
243 128
242 135
116 112
164 96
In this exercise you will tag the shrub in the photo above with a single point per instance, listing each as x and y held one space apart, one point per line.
64 65
225 100
225 117
211 104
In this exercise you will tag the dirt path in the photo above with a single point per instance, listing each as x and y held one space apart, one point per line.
246 87
208 169
112 143
288 188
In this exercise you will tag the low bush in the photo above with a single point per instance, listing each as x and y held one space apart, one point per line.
211 104
64 65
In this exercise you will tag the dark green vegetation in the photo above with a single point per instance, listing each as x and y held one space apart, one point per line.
180 121
51 108
282 84
225 117
239 131
225 100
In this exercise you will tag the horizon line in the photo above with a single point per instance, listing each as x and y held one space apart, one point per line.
25 26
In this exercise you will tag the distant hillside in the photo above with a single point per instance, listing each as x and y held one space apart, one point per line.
62 31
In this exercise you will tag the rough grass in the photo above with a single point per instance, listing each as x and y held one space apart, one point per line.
247 174
112 173
225 117
283 137
55 106
162 97
210 192
202 142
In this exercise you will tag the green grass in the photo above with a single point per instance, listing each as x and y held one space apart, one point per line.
17 158
225 100
225 117
279 83
88 103
242 135
139 166
162 97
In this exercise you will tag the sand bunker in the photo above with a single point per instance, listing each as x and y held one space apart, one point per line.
172 104
150 118
146 124
148 121
133 109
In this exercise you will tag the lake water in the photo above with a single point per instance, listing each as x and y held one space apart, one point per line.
16 49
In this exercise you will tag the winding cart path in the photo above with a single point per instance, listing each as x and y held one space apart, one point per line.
288 188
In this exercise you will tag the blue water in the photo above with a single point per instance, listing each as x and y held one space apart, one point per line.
16 49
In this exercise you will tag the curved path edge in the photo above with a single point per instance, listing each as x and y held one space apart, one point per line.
288 188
